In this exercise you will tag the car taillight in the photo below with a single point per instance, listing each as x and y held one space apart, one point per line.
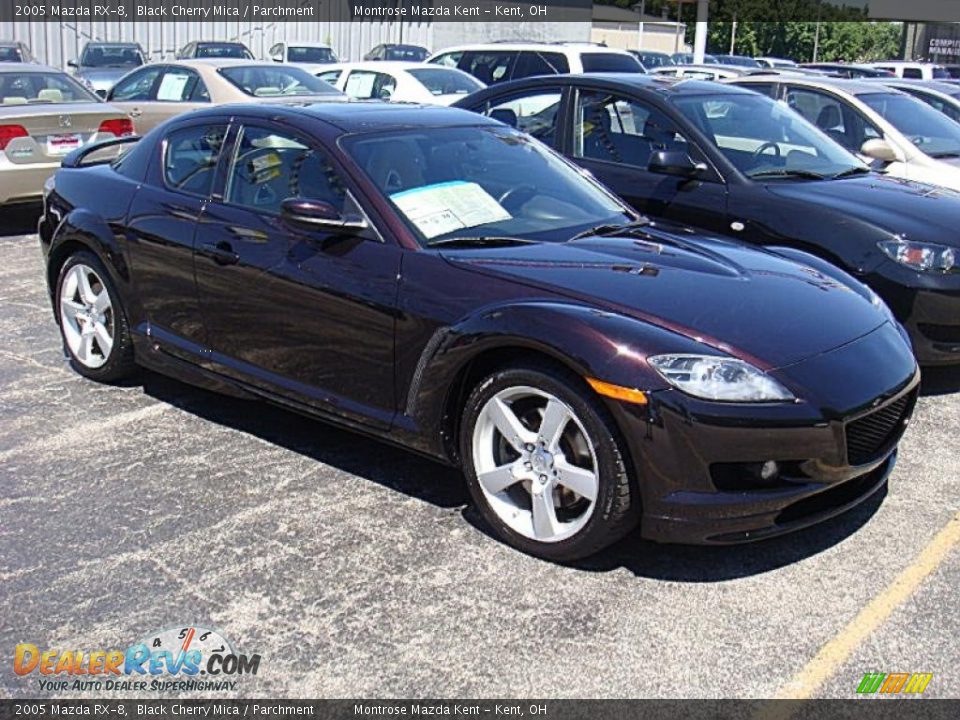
9 132
119 127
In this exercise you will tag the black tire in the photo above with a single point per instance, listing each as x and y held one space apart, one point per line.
120 364
616 510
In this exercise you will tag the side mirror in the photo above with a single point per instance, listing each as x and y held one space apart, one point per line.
878 149
385 94
320 216
71 63
675 162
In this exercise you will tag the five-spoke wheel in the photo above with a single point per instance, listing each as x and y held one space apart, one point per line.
543 463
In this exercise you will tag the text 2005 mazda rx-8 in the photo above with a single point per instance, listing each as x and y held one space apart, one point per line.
445 282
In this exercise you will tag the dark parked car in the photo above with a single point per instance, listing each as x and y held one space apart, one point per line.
741 164
214 49
445 282
393 51
739 60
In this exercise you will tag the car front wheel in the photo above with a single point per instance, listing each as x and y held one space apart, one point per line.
544 465
92 322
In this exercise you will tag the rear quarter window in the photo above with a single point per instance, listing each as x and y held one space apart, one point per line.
610 62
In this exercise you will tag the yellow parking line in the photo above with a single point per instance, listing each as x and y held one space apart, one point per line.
832 655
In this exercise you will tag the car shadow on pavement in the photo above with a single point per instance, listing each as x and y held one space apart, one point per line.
355 453
19 219
939 381
429 481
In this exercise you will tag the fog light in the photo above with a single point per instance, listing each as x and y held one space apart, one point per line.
769 470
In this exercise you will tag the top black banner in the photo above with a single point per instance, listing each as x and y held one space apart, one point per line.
471 10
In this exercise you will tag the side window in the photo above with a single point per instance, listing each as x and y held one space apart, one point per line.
361 84
190 158
768 89
913 73
489 67
181 85
536 113
330 76
620 130
540 63
269 166
450 59
828 114
137 87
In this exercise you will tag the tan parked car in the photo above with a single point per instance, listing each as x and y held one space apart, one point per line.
44 114
154 93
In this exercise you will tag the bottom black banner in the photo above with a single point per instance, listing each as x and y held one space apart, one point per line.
874 708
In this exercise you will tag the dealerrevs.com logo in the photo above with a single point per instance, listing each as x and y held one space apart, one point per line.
190 658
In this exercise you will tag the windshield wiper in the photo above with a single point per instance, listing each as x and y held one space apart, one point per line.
481 241
850 171
611 229
784 172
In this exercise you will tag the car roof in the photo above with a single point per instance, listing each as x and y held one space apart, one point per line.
300 43
664 85
386 66
903 63
851 86
111 43
359 116
940 87
31 67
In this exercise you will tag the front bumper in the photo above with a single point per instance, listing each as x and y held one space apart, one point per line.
696 461
930 313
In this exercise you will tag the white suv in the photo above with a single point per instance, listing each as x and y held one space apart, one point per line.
914 70
498 62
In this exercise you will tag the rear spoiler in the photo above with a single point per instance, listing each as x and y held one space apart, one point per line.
75 159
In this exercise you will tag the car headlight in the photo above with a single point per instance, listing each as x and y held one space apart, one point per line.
715 377
925 257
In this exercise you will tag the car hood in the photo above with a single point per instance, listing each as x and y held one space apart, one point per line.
902 207
754 304
102 76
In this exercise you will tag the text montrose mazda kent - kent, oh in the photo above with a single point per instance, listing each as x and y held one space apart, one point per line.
445 282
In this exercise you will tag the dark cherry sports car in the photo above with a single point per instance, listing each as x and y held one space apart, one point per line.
445 282
736 162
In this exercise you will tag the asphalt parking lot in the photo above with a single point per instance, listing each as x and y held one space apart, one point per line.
358 570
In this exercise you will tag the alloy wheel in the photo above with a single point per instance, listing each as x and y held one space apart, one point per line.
86 316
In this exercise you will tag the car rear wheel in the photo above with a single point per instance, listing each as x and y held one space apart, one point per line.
92 322
544 465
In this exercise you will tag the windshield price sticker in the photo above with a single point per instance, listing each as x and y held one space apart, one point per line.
446 207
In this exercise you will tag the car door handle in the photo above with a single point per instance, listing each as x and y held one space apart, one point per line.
135 112
221 252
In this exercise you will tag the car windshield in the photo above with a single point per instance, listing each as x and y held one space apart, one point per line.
111 56
40 87
310 55
655 60
275 81
446 81
762 137
224 50
10 54
610 62
931 131
482 182
408 53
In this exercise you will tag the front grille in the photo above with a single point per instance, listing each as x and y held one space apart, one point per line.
869 437
941 333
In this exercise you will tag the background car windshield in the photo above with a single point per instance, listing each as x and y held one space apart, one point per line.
110 56
474 182
10 54
224 50
409 53
23 88
310 55
272 81
610 62
759 135
928 129
446 81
